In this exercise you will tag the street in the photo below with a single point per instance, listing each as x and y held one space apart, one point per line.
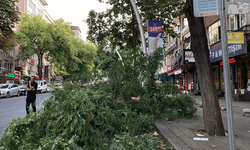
14 107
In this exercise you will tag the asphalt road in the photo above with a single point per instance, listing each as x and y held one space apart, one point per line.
14 107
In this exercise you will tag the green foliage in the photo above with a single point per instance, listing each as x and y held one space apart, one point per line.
119 20
88 118
70 57
8 17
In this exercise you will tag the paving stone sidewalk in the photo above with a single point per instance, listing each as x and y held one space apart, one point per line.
179 134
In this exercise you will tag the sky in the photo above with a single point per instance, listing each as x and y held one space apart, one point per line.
74 11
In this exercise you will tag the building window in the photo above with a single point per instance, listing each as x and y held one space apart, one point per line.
214 32
40 13
32 6
237 21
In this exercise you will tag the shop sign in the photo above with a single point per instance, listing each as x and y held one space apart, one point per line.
168 68
164 69
235 37
6 75
33 61
2 73
231 60
233 50
176 72
11 75
171 45
170 74
189 56
17 74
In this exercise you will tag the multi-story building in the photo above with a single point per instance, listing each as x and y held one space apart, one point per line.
179 65
77 31
28 67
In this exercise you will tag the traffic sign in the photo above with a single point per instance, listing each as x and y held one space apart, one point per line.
235 37
204 8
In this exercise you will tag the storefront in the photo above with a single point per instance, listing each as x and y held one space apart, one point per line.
189 70
239 62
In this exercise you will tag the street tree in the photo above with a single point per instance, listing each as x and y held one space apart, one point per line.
211 112
167 11
35 38
72 57
9 15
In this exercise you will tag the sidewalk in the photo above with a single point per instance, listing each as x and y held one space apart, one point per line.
179 134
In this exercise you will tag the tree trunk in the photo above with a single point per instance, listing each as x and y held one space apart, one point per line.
40 66
211 112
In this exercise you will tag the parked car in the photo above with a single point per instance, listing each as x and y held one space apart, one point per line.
23 90
8 90
41 86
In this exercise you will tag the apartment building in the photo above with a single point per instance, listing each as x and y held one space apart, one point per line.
77 31
179 65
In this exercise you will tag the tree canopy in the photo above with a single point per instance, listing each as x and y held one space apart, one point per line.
8 17
56 43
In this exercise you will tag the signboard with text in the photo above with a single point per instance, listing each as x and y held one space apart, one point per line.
204 8
233 50
235 37
154 35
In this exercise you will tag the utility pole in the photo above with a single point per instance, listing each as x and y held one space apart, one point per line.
225 59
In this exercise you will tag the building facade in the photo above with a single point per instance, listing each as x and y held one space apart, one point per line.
28 67
77 31
179 65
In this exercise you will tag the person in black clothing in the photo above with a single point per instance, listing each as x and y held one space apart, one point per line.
31 95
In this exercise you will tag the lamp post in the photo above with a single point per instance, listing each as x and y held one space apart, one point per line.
140 25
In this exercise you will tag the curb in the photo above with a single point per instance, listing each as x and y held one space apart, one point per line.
169 137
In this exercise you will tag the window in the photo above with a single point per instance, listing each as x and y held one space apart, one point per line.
39 13
214 32
32 6
237 21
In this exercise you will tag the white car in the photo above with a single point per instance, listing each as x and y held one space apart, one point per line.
8 90
41 86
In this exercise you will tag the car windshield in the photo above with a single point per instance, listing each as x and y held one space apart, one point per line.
24 87
4 86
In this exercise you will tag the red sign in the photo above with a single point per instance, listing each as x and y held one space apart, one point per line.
155 29
6 75
33 61
168 68
17 74
231 60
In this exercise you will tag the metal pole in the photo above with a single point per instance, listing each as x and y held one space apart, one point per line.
228 94
140 25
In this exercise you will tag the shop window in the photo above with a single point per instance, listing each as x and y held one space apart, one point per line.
237 21
214 33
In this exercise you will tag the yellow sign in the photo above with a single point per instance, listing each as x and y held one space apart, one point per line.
235 37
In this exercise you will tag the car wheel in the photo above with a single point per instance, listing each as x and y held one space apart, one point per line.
46 91
8 95
18 94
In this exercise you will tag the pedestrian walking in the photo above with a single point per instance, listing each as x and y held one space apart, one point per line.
31 95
